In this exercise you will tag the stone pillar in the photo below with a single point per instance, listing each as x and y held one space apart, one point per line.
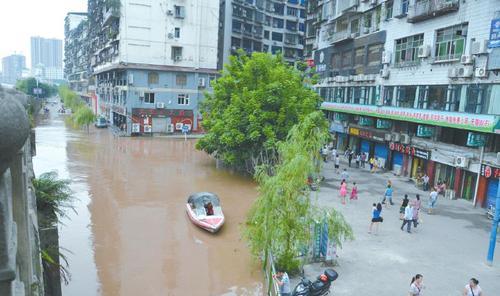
7 238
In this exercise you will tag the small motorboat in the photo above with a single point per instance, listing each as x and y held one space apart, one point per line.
204 210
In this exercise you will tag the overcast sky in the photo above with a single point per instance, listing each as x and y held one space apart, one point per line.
21 19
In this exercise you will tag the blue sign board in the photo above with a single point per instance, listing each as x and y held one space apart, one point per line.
494 33
185 129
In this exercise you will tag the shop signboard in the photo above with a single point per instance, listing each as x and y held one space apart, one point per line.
410 150
472 122
494 33
340 117
385 124
365 121
425 131
476 140
367 134
336 127
488 172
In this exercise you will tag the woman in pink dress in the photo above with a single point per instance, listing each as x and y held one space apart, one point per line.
343 190
354 192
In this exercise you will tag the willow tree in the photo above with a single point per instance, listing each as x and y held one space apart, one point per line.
253 106
83 117
280 219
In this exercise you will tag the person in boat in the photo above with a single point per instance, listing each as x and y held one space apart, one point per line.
209 209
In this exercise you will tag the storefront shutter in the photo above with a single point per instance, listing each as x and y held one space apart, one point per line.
492 192
365 146
398 158
381 151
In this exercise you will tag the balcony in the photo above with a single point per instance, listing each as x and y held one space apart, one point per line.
426 9
335 37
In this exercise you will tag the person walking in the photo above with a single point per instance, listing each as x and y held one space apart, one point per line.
472 288
324 153
376 217
343 190
388 195
425 182
417 285
371 161
337 163
408 218
363 159
416 210
349 157
334 153
432 200
354 192
345 175
403 206
283 282
358 160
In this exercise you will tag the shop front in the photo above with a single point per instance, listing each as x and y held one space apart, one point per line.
409 160
119 117
370 141
492 176
160 120
339 136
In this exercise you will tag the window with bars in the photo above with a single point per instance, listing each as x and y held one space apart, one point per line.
450 42
149 97
153 78
181 79
437 96
375 54
183 99
407 50
406 96
477 98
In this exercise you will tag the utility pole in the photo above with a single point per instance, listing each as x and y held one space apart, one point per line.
494 227
478 175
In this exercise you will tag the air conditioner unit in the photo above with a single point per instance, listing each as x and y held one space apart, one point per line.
404 139
370 77
452 72
147 128
480 72
201 82
424 51
141 94
479 47
461 161
465 71
396 137
170 12
373 2
170 36
388 137
384 73
386 57
130 78
160 105
170 128
466 59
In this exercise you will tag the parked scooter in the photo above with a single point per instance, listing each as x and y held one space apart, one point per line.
320 287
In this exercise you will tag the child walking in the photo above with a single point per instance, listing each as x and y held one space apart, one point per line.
354 192
343 191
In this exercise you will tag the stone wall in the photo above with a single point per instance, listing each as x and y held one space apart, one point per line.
20 262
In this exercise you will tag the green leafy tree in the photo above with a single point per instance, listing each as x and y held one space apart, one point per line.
253 106
29 84
83 117
280 219
70 98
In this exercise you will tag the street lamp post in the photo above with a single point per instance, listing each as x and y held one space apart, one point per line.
494 226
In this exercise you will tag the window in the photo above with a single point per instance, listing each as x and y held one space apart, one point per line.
235 42
278 23
181 79
183 99
290 38
346 59
266 34
176 53
456 93
388 9
477 98
336 60
356 93
388 95
404 6
153 78
406 96
450 42
276 49
292 26
279 8
149 97
177 32
277 36
359 57
407 50
179 11
292 11
236 26
211 80
423 90
339 94
247 28
375 54
437 97
355 27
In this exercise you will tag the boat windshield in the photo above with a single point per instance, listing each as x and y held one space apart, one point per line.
199 200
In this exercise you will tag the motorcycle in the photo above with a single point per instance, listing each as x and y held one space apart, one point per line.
320 287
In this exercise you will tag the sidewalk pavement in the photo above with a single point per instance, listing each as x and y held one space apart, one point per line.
448 248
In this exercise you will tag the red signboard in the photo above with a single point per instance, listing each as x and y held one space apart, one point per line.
407 149
490 172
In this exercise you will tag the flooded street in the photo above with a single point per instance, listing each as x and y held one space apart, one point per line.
131 235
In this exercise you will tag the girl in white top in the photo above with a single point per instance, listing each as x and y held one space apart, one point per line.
417 285
473 289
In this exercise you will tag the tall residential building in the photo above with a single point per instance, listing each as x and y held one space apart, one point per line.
152 61
416 84
46 58
263 26
76 51
12 68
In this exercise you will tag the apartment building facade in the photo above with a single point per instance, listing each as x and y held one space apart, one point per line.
12 68
76 51
262 26
152 61
46 58
416 84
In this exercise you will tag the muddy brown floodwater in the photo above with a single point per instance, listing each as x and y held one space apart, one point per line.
131 235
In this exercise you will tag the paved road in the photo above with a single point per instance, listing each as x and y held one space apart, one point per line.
448 248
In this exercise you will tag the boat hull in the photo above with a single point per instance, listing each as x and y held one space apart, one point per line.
209 223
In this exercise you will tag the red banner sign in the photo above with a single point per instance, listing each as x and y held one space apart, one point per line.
490 172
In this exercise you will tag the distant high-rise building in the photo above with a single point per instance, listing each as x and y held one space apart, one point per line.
46 57
12 68
76 54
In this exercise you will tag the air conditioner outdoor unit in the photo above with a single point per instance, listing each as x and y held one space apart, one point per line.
160 105
130 78
384 73
465 71
452 72
170 36
479 47
170 128
404 139
466 59
373 2
461 161
388 137
141 94
480 72
370 77
396 137
170 12
386 57
424 51
201 82
147 128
